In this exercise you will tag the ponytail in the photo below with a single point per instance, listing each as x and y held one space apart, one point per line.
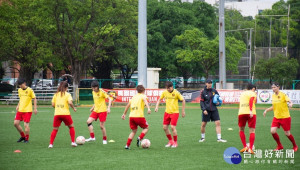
62 88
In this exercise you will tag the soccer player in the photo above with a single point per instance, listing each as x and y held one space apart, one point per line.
136 116
209 110
61 101
281 116
24 109
99 110
171 115
247 113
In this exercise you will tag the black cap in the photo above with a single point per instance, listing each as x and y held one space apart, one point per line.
208 81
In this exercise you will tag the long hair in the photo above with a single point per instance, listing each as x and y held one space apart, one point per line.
63 86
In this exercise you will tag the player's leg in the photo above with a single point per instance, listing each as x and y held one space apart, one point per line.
103 129
27 129
166 123
69 122
242 120
102 119
174 120
56 123
251 125
20 130
89 122
27 117
143 124
286 125
216 118
130 137
276 138
203 125
275 125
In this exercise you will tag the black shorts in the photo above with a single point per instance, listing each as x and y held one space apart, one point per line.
211 116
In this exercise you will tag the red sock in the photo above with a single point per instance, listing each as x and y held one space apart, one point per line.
142 136
104 137
53 135
169 137
251 139
26 137
72 134
22 134
175 138
276 138
128 142
243 138
92 135
291 138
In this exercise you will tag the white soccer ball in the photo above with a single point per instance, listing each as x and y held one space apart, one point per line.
80 140
145 143
248 145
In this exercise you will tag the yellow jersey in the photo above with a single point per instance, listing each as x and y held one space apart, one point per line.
26 96
280 106
244 102
99 101
137 105
171 101
62 103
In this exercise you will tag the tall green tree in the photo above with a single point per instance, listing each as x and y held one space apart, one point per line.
280 69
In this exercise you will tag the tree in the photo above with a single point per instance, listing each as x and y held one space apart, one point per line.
280 69
22 37
197 48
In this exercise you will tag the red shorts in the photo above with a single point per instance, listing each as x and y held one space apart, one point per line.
134 122
67 119
101 116
23 116
243 119
285 123
171 118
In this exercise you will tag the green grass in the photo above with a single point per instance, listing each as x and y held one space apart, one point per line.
189 155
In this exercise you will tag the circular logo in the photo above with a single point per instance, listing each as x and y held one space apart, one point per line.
231 155
264 96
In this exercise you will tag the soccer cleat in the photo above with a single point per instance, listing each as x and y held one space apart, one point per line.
104 142
138 142
90 139
221 140
244 149
50 146
278 148
21 139
26 141
73 144
127 147
295 148
202 140
250 151
174 145
169 144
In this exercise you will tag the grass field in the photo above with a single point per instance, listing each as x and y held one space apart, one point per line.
189 155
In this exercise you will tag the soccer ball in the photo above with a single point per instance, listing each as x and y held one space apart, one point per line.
248 145
145 143
80 140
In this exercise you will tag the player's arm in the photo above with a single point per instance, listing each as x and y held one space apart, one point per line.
202 105
157 104
147 104
109 104
125 111
35 105
183 108
17 108
268 109
53 104
92 109
72 106
251 102
290 104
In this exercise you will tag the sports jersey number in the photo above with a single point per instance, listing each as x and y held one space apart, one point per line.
60 105
134 108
